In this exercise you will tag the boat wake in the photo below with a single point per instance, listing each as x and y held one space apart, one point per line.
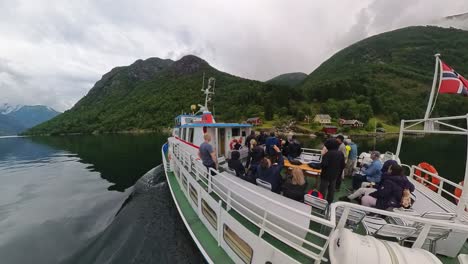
146 229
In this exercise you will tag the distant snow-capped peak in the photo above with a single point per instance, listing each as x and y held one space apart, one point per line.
6 108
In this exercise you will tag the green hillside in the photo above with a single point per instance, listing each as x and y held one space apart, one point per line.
289 79
148 94
392 72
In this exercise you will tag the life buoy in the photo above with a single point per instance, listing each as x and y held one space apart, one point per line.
427 167
458 192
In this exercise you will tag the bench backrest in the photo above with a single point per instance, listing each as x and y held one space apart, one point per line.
264 184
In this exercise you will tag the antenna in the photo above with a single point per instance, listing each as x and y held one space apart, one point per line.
203 83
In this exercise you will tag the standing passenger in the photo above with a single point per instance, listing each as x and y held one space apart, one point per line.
342 149
271 141
249 138
207 154
352 158
333 163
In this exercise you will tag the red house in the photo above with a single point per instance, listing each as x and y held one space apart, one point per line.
330 129
255 121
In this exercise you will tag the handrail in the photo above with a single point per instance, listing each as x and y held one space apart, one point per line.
452 225
440 186
215 185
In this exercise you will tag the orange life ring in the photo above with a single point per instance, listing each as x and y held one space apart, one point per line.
458 192
427 167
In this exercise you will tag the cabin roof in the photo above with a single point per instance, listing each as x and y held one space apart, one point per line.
216 125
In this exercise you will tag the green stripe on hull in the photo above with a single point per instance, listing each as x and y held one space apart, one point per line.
204 237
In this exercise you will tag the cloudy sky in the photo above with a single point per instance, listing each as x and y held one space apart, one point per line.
53 51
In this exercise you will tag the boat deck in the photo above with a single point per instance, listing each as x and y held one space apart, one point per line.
218 255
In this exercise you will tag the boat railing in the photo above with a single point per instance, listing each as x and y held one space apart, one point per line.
423 224
311 154
266 220
435 182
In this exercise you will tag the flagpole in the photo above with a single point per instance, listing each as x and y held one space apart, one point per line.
434 84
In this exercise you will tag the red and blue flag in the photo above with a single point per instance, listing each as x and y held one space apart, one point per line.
452 82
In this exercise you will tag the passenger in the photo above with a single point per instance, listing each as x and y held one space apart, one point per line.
295 187
237 145
271 172
352 158
256 154
207 154
271 141
285 147
332 164
249 138
235 164
342 149
391 191
294 148
261 138
371 174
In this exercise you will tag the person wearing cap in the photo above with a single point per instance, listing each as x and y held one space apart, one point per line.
371 174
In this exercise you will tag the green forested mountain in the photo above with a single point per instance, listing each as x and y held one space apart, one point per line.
289 79
392 72
389 75
149 94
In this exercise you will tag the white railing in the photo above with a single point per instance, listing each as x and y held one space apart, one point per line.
424 224
440 188
264 215
312 154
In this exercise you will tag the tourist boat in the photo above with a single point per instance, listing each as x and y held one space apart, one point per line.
235 221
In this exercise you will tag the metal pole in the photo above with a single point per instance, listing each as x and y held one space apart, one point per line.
400 138
434 84
464 196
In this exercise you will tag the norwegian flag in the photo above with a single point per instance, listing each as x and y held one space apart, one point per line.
452 82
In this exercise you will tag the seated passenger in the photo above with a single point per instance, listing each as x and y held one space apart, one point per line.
390 193
271 172
235 164
295 187
372 173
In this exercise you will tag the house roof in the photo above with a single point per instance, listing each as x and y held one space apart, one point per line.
323 116
215 125
330 127
351 122
253 119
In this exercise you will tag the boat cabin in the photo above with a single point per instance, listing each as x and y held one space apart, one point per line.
191 128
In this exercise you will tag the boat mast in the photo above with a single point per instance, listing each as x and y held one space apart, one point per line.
433 91
428 124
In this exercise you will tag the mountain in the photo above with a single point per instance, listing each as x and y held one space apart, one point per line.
6 108
289 79
148 94
9 126
15 119
32 115
390 72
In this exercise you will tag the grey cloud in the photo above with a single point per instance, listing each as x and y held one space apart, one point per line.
53 51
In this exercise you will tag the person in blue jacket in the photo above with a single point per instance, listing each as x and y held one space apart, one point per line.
271 141
371 174
272 172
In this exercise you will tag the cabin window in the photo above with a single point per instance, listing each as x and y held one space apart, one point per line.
184 182
190 135
193 194
243 133
184 133
209 214
237 244
236 132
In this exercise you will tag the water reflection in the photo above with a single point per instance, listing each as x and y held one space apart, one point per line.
120 159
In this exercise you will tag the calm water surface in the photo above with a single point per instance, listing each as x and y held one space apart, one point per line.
82 199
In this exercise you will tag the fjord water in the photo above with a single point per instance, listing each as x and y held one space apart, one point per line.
74 200
97 199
